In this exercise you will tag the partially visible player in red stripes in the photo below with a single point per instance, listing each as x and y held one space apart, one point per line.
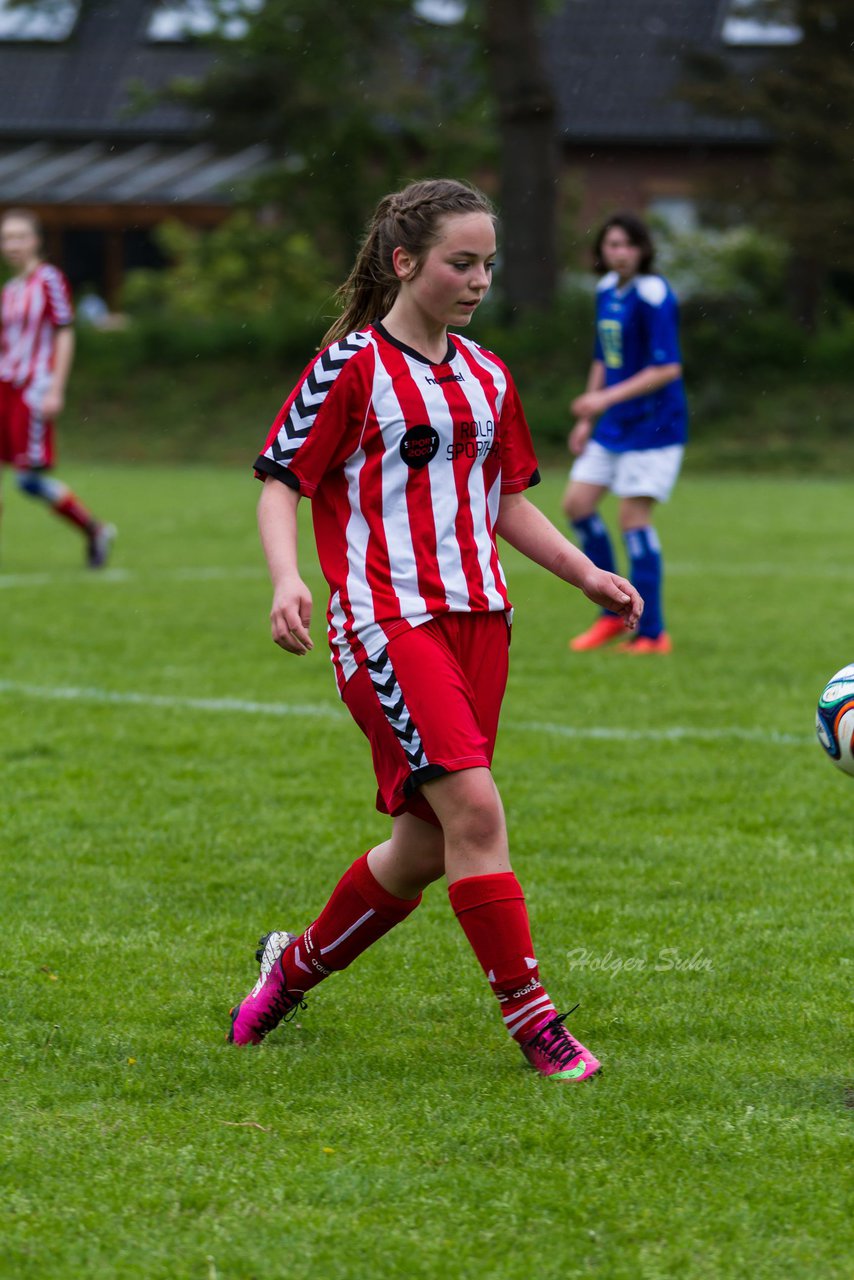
413 447
36 353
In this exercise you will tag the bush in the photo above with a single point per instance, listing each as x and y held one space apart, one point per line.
742 266
240 288
731 342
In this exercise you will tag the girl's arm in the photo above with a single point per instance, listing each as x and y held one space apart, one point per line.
652 378
53 400
290 616
581 432
526 528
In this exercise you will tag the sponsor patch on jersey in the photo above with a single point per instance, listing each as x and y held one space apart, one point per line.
419 446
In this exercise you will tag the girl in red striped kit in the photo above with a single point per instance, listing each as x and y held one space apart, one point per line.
36 353
413 447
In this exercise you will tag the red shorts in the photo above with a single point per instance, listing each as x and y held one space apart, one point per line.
429 704
26 439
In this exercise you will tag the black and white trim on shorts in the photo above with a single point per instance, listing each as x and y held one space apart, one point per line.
396 712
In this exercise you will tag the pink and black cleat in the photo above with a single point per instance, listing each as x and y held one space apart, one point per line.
269 1002
557 1054
99 545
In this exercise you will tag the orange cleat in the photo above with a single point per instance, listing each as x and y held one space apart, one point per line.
647 644
605 629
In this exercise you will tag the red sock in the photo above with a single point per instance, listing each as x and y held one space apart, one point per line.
494 918
70 508
359 912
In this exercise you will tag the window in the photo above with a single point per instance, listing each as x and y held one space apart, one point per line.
444 13
175 20
678 213
51 21
760 23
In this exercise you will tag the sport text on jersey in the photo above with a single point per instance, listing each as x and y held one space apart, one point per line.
419 446
477 440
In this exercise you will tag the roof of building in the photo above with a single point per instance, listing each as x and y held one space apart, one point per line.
109 173
84 86
617 66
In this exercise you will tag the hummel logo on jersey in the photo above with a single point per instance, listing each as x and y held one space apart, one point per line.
419 446
448 377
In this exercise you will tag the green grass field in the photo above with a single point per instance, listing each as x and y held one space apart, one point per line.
173 785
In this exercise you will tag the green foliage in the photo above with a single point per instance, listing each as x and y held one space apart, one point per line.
353 100
678 805
804 95
762 393
743 264
241 268
734 342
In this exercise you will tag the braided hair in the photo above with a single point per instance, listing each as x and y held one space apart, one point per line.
408 219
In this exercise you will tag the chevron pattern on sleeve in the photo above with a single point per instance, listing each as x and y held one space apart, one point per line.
57 289
396 711
311 394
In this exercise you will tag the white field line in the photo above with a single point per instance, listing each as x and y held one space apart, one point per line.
322 711
74 577
59 693
775 570
772 570
676 733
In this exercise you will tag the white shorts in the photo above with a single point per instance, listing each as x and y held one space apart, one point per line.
639 473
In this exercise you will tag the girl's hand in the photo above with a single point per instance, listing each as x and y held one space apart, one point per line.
579 435
610 591
52 403
290 616
591 404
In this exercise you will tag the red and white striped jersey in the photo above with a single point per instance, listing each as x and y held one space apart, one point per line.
33 307
405 462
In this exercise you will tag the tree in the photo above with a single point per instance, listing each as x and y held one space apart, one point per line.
526 112
355 98
350 97
804 94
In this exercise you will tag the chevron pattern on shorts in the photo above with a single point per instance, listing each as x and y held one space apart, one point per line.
314 389
396 711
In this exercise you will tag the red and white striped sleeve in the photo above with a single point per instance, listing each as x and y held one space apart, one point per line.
59 309
518 459
314 429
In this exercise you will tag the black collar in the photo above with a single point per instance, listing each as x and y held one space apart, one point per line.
410 351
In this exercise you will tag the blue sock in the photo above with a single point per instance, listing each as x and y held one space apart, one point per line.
645 573
596 542
37 485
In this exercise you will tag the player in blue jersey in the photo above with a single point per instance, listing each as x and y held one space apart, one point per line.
631 425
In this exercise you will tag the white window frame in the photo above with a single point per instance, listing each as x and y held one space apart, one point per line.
39 21
740 28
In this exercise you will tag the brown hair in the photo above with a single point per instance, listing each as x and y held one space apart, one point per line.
638 234
408 219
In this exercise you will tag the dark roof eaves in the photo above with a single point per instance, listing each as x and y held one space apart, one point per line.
657 142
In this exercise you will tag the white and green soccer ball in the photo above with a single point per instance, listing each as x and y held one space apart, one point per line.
834 719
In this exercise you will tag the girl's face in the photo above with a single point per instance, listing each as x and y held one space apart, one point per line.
19 243
619 254
455 273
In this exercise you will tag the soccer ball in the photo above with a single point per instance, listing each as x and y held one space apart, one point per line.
834 719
